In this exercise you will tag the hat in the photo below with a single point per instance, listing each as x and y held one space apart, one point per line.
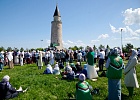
6 78
78 63
69 68
82 77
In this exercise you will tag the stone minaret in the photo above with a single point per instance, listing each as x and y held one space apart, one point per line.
56 30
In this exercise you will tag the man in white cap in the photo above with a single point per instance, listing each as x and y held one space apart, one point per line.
6 89
83 89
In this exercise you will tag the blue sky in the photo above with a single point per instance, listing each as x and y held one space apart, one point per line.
24 23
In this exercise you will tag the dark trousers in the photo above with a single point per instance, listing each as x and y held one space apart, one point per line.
95 59
63 61
101 64
13 95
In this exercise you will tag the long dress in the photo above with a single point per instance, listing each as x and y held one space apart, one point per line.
91 71
130 73
10 60
51 58
40 63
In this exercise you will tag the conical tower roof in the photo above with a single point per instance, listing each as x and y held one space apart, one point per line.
56 13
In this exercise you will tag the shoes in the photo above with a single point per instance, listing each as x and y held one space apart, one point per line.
25 90
20 89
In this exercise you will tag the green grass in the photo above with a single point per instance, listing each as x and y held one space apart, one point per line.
51 87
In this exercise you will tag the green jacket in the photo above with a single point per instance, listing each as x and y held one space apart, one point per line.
114 70
90 58
83 91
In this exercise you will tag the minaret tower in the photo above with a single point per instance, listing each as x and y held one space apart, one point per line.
56 30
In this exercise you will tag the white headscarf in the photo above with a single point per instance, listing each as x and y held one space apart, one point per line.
134 53
6 78
49 68
56 66
82 77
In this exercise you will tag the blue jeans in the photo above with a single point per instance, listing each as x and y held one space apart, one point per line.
1 66
114 89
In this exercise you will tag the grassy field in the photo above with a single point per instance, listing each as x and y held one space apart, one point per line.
52 87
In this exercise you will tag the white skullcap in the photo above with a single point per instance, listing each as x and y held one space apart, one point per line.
6 78
67 64
78 63
82 77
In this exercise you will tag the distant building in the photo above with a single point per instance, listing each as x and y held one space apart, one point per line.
56 30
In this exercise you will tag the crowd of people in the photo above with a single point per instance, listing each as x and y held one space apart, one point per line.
94 62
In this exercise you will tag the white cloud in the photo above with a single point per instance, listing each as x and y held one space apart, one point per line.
132 33
131 38
94 41
79 41
65 44
115 38
103 36
137 31
126 29
48 41
114 30
131 16
70 41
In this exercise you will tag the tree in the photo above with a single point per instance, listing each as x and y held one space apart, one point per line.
2 48
81 47
9 49
21 49
128 46
69 47
40 49
107 47
101 47
94 47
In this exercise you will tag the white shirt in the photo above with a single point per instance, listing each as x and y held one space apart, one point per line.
102 55
79 56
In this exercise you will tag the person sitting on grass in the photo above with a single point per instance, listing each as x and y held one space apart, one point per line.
84 71
48 70
78 67
73 67
7 91
67 68
61 66
83 89
68 73
56 70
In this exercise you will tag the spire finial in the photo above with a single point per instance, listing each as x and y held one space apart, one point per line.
56 13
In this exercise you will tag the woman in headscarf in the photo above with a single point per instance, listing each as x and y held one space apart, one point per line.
91 71
48 70
56 70
7 91
51 58
114 67
10 59
130 72
40 63
83 91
